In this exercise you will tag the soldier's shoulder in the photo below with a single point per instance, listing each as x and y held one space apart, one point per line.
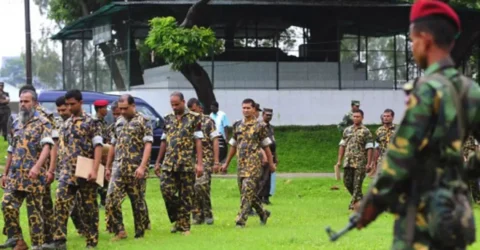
237 122
44 120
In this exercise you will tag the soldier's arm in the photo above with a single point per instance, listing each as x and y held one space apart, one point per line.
148 140
46 142
214 135
399 160
233 149
265 143
198 136
376 153
341 148
97 141
369 146
111 154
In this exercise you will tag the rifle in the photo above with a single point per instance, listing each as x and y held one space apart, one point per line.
352 223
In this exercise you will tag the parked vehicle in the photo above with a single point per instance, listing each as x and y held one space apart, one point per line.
47 100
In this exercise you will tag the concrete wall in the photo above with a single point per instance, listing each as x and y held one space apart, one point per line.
293 107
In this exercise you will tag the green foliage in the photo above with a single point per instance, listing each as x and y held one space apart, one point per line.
178 45
67 11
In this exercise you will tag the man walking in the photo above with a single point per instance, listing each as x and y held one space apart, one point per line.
4 110
383 136
265 180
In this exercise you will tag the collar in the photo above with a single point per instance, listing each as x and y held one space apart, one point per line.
80 117
442 64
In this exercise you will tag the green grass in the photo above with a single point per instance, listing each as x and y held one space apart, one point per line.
301 210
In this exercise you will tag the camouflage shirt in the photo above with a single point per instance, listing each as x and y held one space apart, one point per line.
469 146
210 133
383 137
105 134
179 136
129 141
347 120
27 144
356 140
425 140
273 146
249 137
79 137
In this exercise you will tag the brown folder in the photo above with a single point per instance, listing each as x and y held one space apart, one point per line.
337 172
85 165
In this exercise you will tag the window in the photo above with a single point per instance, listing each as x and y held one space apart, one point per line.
52 107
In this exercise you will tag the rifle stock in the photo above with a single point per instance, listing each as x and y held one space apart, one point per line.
351 225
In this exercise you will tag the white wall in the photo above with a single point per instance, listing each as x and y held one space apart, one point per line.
293 107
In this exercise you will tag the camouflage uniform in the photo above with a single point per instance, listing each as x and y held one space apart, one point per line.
425 150
79 137
469 148
4 114
178 168
347 119
357 141
202 205
27 144
102 191
383 137
249 137
264 185
129 144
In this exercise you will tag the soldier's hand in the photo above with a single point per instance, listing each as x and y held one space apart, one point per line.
216 167
4 181
273 168
108 174
223 169
33 173
92 176
199 170
50 177
140 173
157 170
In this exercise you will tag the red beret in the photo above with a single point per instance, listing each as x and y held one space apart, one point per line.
423 8
100 103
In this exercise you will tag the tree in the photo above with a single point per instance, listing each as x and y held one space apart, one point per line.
13 70
182 45
46 63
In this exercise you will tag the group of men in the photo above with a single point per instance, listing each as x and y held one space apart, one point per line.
44 148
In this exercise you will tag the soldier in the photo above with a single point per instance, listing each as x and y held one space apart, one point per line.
422 171
30 148
249 136
4 111
347 118
383 135
182 136
202 204
81 136
264 187
469 148
101 112
133 145
357 146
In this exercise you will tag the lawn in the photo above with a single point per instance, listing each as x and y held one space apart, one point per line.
301 210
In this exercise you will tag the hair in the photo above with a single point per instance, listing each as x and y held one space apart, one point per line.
441 28
389 111
359 111
114 105
178 94
249 101
74 93
193 101
33 93
60 101
128 98
26 87
215 104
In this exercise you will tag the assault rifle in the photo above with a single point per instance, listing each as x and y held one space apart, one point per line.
352 223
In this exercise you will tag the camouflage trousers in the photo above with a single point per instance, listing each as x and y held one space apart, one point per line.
116 193
422 239
248 187
264 183
66 197
353 180
76 214
48 218
102 192
474 190
178 192
11 203
202 204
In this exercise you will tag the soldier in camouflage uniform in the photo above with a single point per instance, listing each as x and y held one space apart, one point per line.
133 145
182 136
31 144
347 119
202 204
101 111
249 136
265 180
421 182
357 146
81 136
469 148
4 111
383 136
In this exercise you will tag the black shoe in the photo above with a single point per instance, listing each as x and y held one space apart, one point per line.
9 243
239 225
263 220
251 213
139 235
61 245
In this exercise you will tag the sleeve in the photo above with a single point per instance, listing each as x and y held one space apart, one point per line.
233 140
164 133
211 129
343 141
46 135
113 135
369 143
409 140
377 139
198 134
148 132
96 133
263 136
225 122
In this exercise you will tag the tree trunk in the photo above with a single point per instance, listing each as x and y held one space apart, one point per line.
200 81
112 64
